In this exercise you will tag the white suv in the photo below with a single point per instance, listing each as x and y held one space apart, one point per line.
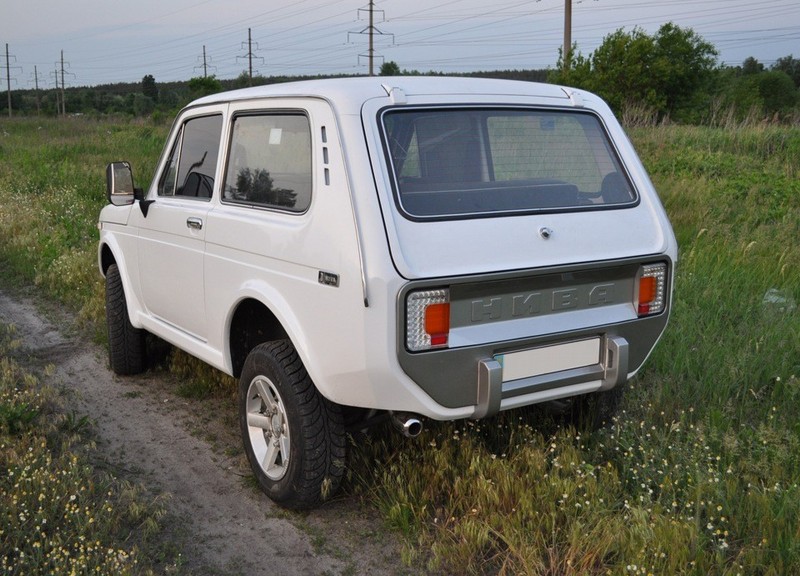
417 247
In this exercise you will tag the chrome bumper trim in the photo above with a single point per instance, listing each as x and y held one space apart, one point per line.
611 371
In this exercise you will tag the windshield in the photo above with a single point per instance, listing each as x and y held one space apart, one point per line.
457 162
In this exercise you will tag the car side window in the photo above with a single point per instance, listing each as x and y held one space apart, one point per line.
269 162
192 162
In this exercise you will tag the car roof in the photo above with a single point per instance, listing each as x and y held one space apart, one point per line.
350 93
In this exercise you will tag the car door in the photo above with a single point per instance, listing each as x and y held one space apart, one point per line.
172 229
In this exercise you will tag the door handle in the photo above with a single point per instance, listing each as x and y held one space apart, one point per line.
194 223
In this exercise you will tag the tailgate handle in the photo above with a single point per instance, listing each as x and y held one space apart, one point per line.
194 223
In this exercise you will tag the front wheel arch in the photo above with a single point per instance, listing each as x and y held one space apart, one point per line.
126 344
106 259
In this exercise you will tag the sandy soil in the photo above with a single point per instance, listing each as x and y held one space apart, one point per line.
190 451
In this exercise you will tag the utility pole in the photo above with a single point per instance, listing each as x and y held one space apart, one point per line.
63 93
567 34
58 98
8 76
36 84
250 56
61 69
371 37
205 66
371 31
8 80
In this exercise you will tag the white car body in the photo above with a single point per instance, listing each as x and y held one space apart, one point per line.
334 277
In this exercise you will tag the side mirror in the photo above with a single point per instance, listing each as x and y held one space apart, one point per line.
119 184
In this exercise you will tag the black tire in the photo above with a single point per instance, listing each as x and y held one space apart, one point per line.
126 344
294 438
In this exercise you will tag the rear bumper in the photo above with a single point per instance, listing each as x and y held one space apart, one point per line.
496 393
472 375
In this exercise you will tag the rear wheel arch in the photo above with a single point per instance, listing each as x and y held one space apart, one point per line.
252 323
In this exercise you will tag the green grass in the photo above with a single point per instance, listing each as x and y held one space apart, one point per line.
52 186
699 473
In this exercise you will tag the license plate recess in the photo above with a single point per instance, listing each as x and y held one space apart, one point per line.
549 359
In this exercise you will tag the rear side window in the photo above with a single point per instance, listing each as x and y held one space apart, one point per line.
473 162
192 161
269 163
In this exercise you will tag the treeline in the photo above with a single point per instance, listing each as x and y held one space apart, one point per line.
672 75
149 97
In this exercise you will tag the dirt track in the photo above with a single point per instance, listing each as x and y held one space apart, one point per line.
190 450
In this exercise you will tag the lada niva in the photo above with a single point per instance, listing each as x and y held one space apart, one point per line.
437 248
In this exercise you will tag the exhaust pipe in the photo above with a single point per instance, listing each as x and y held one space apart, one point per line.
409 425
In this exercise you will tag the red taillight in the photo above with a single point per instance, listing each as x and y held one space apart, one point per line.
651 294
427 319
437 323
647 293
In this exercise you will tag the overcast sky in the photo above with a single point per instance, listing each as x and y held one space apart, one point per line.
107 41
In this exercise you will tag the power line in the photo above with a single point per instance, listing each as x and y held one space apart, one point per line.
463 33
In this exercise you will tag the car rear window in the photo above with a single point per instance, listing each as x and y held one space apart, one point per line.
457 162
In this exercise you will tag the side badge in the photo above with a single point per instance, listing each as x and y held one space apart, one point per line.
328 279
